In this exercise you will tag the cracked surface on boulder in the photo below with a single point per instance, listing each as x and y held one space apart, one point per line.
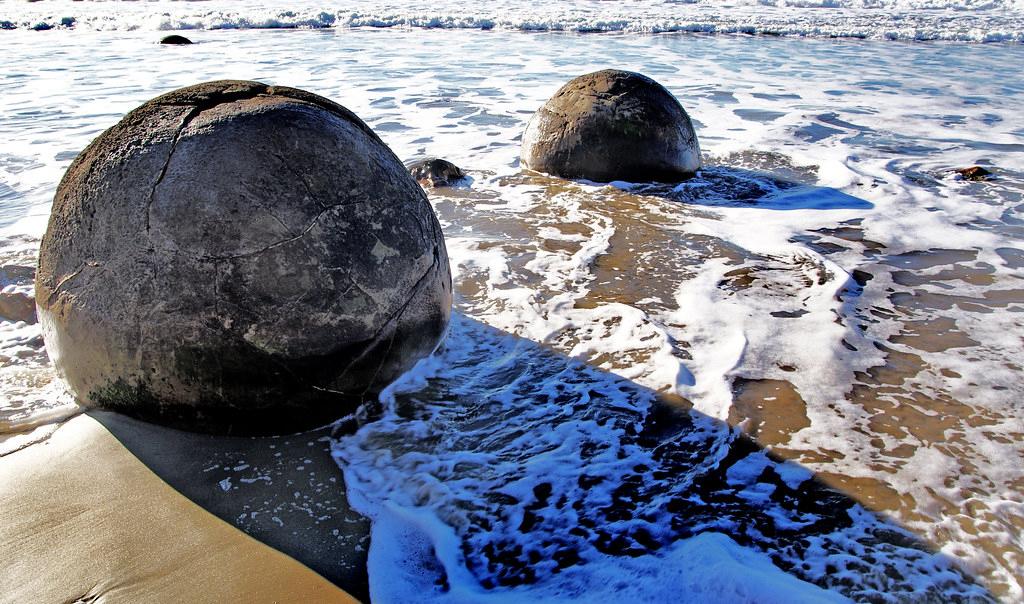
612 125
213 261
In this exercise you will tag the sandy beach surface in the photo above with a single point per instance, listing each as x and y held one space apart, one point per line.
114 531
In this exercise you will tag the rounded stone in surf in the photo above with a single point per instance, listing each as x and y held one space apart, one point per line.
175 40
235 257
612 125
435 172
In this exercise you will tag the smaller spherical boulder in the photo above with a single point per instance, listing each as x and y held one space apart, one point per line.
175 40
612 125
435 172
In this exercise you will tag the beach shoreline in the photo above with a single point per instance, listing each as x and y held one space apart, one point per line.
828 285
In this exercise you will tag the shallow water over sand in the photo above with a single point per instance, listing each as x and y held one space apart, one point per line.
827 286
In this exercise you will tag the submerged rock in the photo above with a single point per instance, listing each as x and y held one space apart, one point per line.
612 125
974 173
175 39
435 172
238 257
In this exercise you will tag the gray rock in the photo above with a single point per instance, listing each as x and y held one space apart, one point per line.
175 39
234 257
612 125
435 172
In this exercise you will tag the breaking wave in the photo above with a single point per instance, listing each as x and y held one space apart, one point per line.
949 20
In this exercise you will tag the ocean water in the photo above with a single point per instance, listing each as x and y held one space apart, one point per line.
961 20
792 378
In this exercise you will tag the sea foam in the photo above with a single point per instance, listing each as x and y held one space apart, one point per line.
961 20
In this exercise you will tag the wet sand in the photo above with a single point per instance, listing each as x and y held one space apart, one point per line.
85 520
910 416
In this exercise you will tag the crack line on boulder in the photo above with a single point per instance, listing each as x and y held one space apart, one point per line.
67 279
220 97
278 220
396 315
167 162
383 360
304 232
420 225
302 179
216 289
355 284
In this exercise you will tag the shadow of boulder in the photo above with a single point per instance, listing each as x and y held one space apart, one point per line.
538 464
285 491
725 186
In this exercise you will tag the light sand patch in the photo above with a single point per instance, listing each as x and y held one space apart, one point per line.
84 520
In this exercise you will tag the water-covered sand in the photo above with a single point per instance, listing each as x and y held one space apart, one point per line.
827 285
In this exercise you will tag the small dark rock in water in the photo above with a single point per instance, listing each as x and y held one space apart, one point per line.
201 269
861 277
17 306
175 39
974 173
612 125
435 172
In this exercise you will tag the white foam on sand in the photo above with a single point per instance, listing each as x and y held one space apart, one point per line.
710 567
496 468
417 550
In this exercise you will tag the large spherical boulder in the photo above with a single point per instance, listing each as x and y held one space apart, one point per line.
612 125
238 257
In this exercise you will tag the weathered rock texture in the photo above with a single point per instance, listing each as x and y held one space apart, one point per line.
612 125
238 257
435 172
